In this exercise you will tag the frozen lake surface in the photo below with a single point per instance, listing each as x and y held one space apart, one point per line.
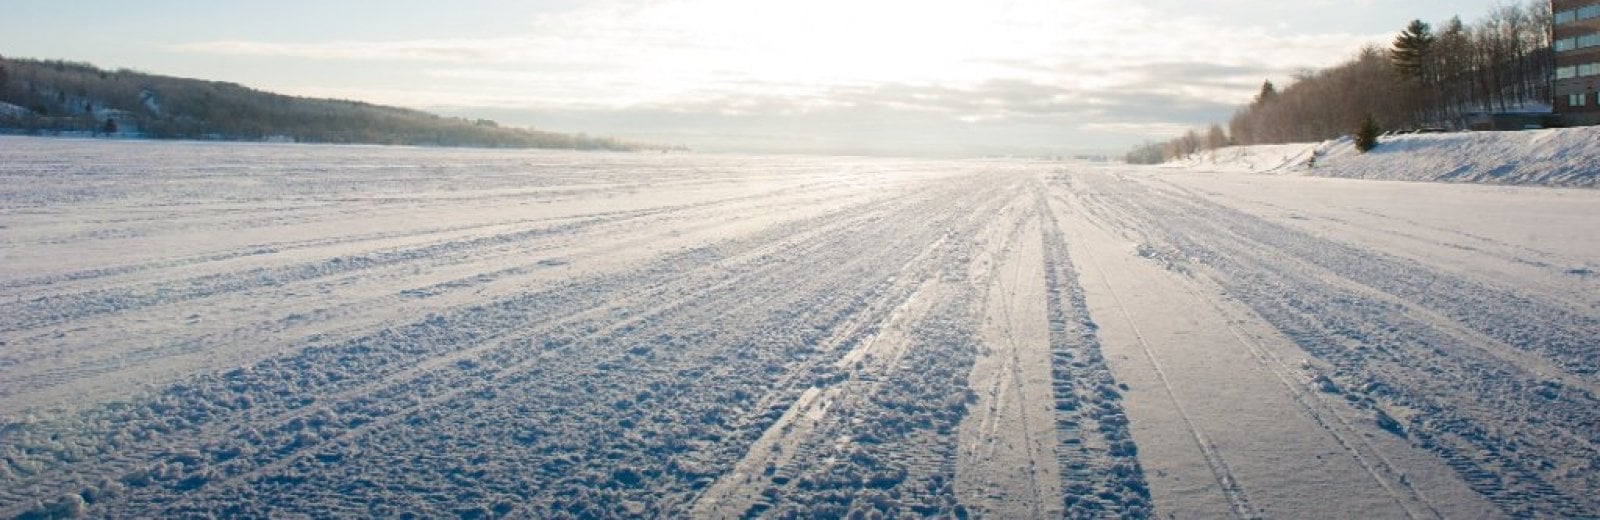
284 330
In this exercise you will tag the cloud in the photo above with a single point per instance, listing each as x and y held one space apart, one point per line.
1078 63
460 50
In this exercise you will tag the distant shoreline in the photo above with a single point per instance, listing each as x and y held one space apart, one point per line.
86 136
60 98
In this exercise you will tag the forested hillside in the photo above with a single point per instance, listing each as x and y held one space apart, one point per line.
56 97
1428 77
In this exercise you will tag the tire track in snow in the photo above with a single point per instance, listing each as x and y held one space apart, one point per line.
766 263
665 272
788 451
352 315
1373 461
1082 380
1378 350
688 384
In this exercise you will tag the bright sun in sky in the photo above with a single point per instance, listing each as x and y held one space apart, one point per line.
830 75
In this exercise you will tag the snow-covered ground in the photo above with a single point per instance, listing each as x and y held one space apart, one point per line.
289 330
1553 157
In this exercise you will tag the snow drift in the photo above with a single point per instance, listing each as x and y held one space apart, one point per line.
1553 157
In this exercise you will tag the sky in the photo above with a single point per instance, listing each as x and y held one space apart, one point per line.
914 77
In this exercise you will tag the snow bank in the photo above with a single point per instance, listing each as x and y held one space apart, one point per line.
1267 158
1553 157
12 111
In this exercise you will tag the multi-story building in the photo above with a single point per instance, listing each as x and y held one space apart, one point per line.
1577 53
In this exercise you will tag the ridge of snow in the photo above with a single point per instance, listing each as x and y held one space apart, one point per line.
1551 157
10 110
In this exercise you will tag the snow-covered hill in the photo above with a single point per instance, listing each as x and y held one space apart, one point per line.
1554 157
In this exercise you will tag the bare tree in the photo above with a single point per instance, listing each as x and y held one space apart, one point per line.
1216 137
1426 78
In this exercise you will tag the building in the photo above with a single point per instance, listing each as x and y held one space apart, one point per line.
1577 53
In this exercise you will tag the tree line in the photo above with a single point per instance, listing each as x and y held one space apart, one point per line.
58 97
1426 78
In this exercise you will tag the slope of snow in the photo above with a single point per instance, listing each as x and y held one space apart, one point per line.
1266 158
10 110
1553 157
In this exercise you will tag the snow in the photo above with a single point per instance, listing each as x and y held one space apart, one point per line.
262 330
151 101
1550 157
13 111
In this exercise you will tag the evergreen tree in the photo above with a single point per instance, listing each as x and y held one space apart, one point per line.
1495 63
1268 93
1412 50
1367 135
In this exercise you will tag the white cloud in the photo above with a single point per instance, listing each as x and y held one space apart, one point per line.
737 57
459 50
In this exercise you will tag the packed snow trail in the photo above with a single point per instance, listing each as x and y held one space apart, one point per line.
1495 380
270 330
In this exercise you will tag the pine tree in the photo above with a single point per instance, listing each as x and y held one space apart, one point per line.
1367 135
1268 93
1412 49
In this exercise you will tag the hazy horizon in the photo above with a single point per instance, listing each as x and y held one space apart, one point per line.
959 78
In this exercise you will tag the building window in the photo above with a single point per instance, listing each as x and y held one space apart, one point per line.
1581 13
1577 100
1578 71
